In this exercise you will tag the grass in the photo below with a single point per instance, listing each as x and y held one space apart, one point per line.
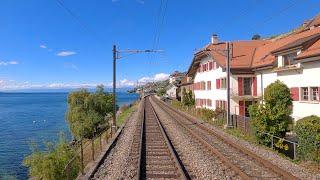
125 114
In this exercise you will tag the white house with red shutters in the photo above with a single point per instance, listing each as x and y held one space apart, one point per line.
209 71
293 59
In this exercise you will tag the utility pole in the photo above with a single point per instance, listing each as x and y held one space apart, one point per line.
114 120
229 120
116 56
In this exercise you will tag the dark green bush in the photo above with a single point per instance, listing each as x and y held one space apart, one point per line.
308 132
273 116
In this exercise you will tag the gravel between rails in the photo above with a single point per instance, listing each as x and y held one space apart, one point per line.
265 153
199 163
115 164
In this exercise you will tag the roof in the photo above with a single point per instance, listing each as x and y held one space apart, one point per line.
313 22
242 54
264 56
313 50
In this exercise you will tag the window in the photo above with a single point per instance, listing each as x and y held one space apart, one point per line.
209 102
208 85
314 94
223 83
304 94
288 59
247 84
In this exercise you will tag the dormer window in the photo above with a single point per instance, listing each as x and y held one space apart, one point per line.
288 59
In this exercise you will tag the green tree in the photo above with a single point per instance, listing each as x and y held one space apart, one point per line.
87 111
273 116
161 92
50 164
256 37
188 99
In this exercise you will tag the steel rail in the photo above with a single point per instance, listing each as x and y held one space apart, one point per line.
141 138
177 162
265 163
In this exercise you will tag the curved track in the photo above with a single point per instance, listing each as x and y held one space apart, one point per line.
245 163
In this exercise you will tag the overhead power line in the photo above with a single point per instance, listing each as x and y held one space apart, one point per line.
76 18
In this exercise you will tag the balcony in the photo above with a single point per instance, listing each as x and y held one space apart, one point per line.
293 67
247 93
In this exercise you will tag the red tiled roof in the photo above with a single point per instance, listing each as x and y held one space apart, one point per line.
313 50
264 56
242 52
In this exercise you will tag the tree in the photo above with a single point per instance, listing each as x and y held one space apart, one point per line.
256 37
87 111
161 92
273 116
188 99
50 164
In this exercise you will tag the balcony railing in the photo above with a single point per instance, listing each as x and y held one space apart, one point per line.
288 68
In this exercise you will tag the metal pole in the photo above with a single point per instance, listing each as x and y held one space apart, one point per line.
229 122
114 89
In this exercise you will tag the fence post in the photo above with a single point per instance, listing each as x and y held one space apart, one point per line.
68 171
294 150
100 142
81 157
92 148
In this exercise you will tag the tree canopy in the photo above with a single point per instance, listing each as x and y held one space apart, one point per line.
273 116
87 111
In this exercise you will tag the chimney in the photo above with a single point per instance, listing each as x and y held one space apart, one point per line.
214 39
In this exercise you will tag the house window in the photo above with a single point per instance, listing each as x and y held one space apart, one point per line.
304 94
223 83
288 59
314 93
247 84
208 85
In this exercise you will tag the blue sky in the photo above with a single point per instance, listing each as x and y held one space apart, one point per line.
43 46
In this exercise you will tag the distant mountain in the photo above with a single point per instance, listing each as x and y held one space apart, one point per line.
58 90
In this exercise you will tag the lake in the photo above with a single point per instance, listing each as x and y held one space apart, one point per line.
38 117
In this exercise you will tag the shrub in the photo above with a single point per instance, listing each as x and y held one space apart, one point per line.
308 132
87 111
50 164
273 116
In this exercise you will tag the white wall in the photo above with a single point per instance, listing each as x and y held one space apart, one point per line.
213 94
309 76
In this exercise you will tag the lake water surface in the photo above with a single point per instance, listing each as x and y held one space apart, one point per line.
32 116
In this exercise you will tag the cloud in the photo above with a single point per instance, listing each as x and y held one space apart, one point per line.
6 63
43 46
156 77
66 53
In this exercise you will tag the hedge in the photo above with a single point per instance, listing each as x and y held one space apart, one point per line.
308 133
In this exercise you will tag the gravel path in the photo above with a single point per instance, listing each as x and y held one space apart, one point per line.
285 164
199 163
116 162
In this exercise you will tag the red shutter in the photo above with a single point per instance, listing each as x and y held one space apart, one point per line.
254 80
218 83
240 84
241 108
210 65
319 93
225 105
294 93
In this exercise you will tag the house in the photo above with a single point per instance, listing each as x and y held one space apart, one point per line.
293 58
187 84
176 77
172 91
209 71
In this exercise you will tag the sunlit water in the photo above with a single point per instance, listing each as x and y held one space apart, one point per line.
32 116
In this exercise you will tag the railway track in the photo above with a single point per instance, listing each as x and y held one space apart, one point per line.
243 162
153 151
